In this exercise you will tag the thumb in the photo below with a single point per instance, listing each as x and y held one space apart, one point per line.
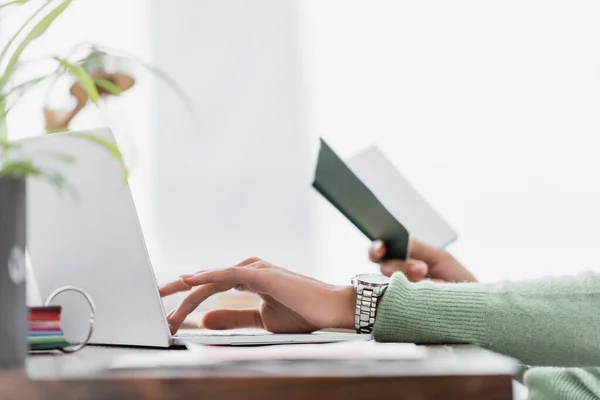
231 319
417 270
422 251
377 251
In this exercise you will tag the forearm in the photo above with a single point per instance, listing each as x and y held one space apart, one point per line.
543 322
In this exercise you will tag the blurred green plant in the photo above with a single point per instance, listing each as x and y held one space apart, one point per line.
13 89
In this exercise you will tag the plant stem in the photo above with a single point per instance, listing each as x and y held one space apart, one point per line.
3 133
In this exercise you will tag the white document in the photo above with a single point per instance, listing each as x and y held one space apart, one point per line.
400 198
202 355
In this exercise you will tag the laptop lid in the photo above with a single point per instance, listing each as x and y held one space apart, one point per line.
89 236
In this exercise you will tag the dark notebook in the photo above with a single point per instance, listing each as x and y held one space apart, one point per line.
338 184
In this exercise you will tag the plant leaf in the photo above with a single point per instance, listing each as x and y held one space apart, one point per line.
37 31
62 157
26 168
188 103
59 182
10 145
36 62
19 169
107 85
84 79
10 3
21 88
55 178
109 146
18 92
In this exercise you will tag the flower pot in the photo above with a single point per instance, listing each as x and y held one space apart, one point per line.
13 301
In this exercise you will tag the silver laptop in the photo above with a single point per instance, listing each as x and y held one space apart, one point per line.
89 236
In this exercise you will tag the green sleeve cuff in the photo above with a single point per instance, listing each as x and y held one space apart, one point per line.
551 321
431 313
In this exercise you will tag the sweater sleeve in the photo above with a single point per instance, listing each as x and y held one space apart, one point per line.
562 383
545 322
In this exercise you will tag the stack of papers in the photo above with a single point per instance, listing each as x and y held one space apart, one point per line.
45 332
204 355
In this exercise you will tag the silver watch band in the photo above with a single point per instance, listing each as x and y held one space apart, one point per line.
366 307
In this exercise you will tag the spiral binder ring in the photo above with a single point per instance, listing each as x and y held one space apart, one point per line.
88 298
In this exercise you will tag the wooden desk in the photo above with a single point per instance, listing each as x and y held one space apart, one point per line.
447 373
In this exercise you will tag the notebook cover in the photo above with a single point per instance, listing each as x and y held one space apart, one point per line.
401 198
342 188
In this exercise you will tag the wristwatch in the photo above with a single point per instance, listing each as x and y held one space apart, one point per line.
368 287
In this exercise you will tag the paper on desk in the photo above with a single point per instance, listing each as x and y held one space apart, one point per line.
199 355
350 350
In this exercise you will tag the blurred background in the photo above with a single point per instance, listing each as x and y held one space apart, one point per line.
490 109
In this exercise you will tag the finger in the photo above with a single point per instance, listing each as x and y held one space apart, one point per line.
254 260
391 266
415 270
248 261
192 301
377 251
422 251
173 287
232 319
239 275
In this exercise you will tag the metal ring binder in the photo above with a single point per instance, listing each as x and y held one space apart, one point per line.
62 289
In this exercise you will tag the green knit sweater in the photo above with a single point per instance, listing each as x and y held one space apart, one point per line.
551 323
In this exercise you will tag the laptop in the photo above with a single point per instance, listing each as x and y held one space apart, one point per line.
89 236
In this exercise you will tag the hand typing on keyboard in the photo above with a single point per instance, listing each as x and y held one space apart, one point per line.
291 302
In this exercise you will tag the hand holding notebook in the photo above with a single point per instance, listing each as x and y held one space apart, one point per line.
340 186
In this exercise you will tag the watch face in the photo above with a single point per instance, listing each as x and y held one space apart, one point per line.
373 279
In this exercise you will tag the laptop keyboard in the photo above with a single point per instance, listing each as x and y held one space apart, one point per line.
190 333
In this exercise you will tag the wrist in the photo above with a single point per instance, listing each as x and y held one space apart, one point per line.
345 306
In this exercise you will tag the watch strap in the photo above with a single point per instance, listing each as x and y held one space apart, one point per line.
366 307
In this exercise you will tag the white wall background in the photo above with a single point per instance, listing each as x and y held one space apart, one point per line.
239 185
489 108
